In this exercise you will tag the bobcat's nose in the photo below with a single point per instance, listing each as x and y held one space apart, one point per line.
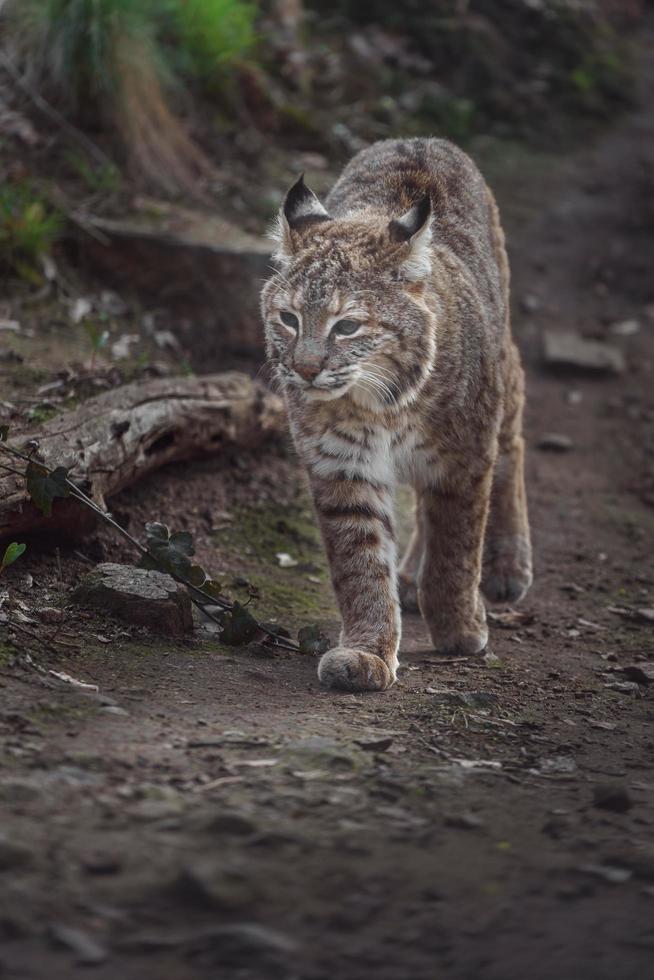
308 367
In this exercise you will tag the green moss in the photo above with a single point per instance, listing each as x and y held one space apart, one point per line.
43 413
293 596
52 712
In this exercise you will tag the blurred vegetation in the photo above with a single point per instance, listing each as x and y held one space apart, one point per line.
510 66
28 228
119 60
166 87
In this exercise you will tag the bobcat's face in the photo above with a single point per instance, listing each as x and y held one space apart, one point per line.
344 315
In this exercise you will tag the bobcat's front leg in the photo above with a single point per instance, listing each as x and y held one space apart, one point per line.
448 582
356 519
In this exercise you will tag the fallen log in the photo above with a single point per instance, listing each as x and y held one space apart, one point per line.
116 438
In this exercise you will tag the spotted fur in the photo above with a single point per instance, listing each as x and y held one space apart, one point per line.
387 325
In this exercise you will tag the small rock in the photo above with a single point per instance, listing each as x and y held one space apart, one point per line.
84 947
464 821
640 673
320 752
114 709
13 854
374 744
570 352
555 442
99 863
625 328
284 560
50 614
138 596
555 764
623 687
530 303
615 876
216 883
612 796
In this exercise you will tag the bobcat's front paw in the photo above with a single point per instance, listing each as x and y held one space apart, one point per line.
354 670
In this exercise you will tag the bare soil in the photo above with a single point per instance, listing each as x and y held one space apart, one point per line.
488 817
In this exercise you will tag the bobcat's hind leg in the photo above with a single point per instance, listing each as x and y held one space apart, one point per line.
448 581
410 565
507 568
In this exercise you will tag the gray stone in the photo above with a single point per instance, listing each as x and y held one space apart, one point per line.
555 442
216 883
612 796
320 752
138 596
563 351
19 791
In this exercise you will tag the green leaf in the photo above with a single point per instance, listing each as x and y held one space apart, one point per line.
96 335
313 641
43 486
171 552
239 626
12 552
197 576
213 588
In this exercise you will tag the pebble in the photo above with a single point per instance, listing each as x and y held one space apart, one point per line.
564 351
555 442
612 796
625 328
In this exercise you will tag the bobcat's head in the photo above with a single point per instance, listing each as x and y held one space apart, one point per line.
345 313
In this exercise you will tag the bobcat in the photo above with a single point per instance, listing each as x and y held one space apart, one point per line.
387 325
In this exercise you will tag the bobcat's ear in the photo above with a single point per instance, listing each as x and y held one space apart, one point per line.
413 229
301 207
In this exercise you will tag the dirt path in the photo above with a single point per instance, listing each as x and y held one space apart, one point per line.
213 815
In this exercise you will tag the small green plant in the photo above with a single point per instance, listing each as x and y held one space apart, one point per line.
212 33
103 179
28 227
98 337
13 551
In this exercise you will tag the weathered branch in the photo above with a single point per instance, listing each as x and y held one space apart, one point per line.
115 439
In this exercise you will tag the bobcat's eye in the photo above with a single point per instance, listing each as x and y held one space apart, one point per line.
345 328
289 320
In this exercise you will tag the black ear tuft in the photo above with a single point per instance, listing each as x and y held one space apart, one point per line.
301 205
404 228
